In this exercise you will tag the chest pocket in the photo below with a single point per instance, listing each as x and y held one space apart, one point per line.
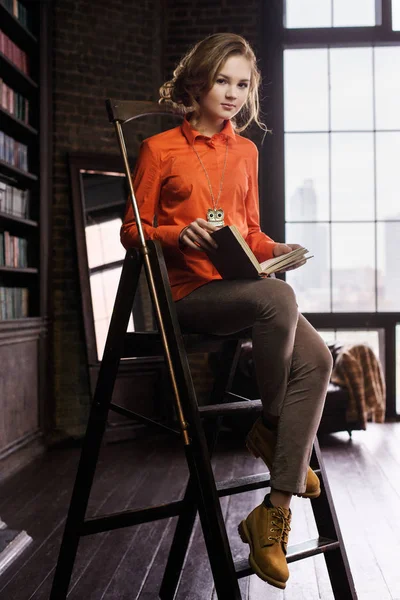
177 184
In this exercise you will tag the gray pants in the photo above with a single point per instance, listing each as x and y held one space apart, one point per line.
292 362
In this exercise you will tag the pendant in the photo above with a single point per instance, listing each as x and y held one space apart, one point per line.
216 216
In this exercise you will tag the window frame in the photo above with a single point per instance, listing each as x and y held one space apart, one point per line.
272 155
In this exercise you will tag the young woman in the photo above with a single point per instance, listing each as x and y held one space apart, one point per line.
193 179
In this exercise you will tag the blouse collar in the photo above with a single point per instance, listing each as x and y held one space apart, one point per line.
191 134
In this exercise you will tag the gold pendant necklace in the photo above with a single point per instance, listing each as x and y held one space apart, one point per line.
215 215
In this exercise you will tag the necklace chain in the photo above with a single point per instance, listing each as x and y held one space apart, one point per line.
215 202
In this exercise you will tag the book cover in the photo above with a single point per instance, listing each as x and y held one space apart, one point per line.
231 259
235 260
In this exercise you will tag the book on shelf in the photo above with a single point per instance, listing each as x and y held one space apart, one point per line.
14 201
14 102
14 53
234 259
13 152
13 250
14 303
19 11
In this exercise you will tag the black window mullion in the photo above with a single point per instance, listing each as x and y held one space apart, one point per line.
272 156
386 14
375 172
330 177
340 36
390 369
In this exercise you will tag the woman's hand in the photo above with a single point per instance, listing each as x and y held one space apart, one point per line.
280 249
197 236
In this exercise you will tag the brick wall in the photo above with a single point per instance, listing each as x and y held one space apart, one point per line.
188 21
102 49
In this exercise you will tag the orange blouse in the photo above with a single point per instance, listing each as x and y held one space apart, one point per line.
172 190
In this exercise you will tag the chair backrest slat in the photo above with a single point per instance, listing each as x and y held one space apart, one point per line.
126 110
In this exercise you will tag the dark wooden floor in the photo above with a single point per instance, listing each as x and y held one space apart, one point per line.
365 481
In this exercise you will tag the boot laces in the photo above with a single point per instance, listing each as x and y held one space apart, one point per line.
280 526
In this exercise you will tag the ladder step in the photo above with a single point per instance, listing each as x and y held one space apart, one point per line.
229 408
121 410
295 552
248 483
243 484
128 518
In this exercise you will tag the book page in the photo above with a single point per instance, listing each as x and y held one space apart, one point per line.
292 263
294 255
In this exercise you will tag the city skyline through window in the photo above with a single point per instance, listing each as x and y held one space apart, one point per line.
342 140
340 130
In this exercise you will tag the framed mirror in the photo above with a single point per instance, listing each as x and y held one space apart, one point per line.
99 194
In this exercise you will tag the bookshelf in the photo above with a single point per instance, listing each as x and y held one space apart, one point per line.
25 183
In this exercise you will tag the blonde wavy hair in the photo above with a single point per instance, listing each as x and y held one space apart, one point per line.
197 71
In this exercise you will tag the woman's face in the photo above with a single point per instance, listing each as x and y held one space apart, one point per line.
230 90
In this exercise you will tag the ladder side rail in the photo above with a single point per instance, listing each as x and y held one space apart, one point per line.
197 453
96 425
328 527
229 356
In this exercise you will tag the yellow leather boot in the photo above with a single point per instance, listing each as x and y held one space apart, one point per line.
261 442
266 530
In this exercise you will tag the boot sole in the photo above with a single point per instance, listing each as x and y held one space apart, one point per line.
246 539
253 450
311 496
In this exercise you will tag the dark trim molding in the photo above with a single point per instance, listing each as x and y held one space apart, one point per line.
20 453
20 330
46 363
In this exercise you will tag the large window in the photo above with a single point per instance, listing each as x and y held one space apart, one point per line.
341 140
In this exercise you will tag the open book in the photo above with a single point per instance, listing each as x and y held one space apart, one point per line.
233 258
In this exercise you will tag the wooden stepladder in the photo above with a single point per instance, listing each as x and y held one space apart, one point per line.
197 427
